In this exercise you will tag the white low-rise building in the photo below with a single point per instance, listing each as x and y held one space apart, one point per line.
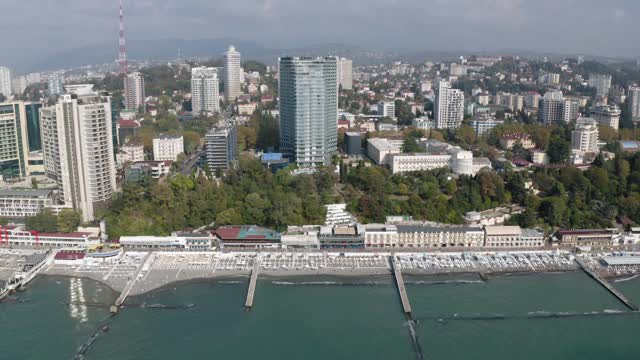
16 203
379 149
130 153
168 147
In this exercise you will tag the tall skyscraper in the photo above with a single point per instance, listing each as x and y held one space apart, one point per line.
78 149
585 137
601 82
134 92
222 148
345 73
205 97
634 102
232 74
19 140
56 84
448 107
5 81
308 109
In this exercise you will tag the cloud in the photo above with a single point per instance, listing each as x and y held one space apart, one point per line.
587 26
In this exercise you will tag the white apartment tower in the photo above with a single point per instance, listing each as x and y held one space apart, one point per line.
78 149
345 73
221 148
601 82
448 107
5 81
134 92
585 137
634 102
205 97
308 109
232 72
55 83
607 115
167 147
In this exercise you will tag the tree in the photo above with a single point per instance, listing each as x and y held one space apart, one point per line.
410 145
34 183
68 220
44 221
559 150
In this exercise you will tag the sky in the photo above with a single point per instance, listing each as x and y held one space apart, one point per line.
38 28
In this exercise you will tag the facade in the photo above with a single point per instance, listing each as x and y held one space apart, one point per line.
134 92
174 242
483 125
508 141
586 237
419 236
137 171
232 74
633 98
341 236
18 236
401 163
585 137
345 73
555 109
5 81
78 149
379 149
246 236
205 96
130 152
20 142
423 123
308 109
16 203
353 143
607 115
19 85
502 236
55 84
387 109
222 148
448 106
168 147
601 82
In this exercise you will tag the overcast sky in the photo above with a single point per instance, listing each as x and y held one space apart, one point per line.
599 27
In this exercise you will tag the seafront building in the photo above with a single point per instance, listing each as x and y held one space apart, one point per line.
19 236
308 109
78 149
134 97
205 96
232 74
586 238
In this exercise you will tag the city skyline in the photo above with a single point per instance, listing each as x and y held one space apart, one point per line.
531 26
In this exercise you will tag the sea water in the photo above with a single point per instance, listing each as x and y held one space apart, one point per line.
550 316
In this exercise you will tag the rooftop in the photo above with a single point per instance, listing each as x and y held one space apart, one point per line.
503 230
434 229
246 232
25 192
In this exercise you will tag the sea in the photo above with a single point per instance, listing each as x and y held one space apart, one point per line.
533 316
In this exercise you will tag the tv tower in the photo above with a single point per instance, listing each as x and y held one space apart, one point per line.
122 57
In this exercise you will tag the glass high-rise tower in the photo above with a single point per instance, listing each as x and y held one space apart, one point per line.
308 109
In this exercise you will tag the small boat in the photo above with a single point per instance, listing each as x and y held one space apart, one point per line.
105 328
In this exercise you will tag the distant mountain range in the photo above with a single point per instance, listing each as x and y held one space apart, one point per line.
212 48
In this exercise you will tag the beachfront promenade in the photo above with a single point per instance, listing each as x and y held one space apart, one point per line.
404 298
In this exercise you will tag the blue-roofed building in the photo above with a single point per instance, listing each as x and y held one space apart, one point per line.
274 161
630 145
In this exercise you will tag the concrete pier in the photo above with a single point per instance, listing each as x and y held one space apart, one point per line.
406 306
123 295
248 304
607 286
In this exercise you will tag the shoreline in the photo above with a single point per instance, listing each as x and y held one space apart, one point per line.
288 275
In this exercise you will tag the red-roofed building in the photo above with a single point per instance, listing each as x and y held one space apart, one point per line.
127 129
343 125
246 236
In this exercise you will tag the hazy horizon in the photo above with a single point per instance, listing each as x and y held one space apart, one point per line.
587 27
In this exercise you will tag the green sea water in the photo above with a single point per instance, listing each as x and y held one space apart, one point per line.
509 317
